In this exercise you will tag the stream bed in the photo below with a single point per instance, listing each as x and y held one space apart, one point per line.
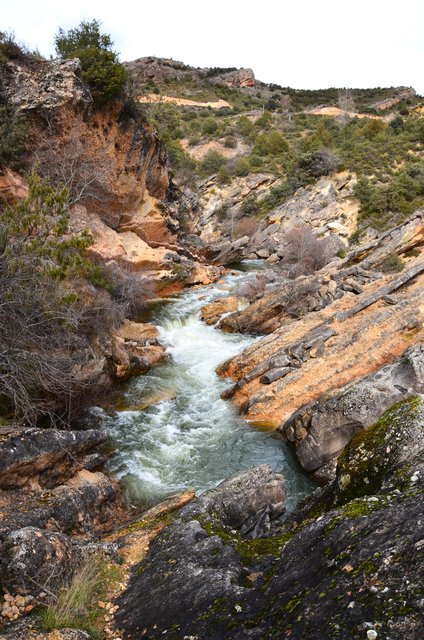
190 437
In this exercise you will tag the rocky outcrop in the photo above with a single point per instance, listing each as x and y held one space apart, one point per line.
33 560
50 487
237 79
346 561
227 252
280 301
220 204
136 349
325 352
197 565
321 431
43 457
328 206
402 95
112 161
161 70
45 85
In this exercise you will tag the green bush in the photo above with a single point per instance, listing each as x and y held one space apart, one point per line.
242 167
392 264
250 206
102 71
319 163
209 126
255 161
245 127
13 134
211 163
9 48
230 142
223 176
272 143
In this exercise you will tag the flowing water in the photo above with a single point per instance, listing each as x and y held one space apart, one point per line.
192 438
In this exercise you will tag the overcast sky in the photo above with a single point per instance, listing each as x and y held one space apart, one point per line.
303 44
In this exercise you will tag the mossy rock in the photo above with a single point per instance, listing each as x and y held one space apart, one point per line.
377 453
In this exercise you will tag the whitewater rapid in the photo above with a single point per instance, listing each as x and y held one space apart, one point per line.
192 438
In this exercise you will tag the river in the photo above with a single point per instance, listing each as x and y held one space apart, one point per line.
192 438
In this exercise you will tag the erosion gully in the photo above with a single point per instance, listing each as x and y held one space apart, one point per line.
190 437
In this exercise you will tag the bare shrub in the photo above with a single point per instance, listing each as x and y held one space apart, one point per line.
304 253
252 287
73 165
299 296
347 106
37 352
245 227
129 290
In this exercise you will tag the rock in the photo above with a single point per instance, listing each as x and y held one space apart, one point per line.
279 304
367 335
185 560
212 312
328 206
48 455
321 430
227 252
162 70
33 560
242 496
84 503
237 79
26 629
136 349
46 85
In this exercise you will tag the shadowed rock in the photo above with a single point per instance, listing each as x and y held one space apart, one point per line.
49 456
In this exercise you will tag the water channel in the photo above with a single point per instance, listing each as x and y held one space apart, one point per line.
190 438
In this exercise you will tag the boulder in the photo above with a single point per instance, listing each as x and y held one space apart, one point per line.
213 311
135 349
34 561
227 252
189 566
84 503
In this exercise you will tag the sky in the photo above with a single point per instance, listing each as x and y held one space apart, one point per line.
306 44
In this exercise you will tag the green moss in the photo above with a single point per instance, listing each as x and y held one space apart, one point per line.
292 604
368 567
249 550
369 457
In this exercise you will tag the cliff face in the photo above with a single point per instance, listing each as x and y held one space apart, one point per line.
112 162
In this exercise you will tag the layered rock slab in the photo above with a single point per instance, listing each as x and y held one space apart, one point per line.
352 338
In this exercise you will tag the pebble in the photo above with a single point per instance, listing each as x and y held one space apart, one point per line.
371 634
14 606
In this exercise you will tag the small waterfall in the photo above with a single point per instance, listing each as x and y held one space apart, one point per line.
192 438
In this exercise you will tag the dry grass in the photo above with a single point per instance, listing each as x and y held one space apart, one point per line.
76 605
